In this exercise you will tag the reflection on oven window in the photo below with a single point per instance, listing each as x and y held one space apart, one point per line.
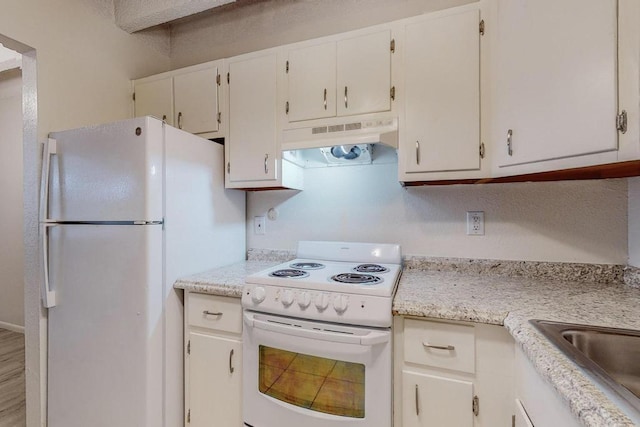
324 385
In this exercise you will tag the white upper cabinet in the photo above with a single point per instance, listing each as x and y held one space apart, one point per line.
252 151
341 77
441 127
555 81
197 100
188 98
312 82
364 74
252 118
154 97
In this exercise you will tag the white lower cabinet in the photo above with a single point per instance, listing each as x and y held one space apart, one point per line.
452 374
430 400
213 361
538 402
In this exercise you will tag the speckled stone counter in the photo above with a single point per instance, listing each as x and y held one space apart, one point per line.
501 293
224 281
512 302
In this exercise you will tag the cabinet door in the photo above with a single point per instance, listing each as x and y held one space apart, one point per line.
214 381
364 74
155 98
196 100
252 118
428 400
312 82
522 418
556 79
442 94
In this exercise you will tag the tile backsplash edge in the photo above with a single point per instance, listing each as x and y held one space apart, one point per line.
598 273
632 276
563 271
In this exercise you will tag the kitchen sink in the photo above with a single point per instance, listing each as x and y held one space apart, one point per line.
611 356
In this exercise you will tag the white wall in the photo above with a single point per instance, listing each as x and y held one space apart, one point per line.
12 247
634 222
84 64
249 26
563 221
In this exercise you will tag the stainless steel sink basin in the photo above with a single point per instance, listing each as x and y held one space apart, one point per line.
611 356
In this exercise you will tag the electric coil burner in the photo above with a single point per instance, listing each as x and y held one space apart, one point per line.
307 265
289 273
370 268
362 279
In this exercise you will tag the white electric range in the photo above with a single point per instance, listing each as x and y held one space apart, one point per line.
317 337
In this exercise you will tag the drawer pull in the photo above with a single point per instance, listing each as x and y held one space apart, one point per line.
439 347
211 313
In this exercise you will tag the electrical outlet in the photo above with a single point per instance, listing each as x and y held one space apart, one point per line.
258 225
475 223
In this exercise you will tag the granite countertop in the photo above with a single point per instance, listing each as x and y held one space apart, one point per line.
465 292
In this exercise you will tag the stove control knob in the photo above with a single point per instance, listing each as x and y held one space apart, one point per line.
304 299
258 295
340 303
322 301
287 298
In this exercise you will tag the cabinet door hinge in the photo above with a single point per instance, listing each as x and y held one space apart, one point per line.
482 150
393 45
189 347
482 27
286 107
134 96
287 67
218 79
621 121
228 78
189 416
475 406
393 93
219 117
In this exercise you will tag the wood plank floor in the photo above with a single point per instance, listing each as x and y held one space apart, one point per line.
12 386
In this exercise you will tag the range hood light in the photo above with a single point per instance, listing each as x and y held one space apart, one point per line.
346 152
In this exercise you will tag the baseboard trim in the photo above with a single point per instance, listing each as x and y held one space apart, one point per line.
12 327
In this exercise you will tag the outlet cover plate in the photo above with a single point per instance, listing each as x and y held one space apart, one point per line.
475 223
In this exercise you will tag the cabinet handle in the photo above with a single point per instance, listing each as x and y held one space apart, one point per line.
180 120
164 117
211 313
231 368
417 401
417 152
509 146
325 99
439 347
346 97
266 167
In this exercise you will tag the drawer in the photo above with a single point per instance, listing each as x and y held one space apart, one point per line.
214 312
440 345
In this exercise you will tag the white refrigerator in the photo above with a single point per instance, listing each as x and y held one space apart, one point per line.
126 208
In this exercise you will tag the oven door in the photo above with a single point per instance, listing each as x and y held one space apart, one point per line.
314 374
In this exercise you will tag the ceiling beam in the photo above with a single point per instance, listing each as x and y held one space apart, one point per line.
136 15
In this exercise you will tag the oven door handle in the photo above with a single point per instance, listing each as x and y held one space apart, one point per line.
371 338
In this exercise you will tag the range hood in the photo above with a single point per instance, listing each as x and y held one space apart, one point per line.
341 133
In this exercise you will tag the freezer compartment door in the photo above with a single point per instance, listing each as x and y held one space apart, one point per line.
110 172
105 341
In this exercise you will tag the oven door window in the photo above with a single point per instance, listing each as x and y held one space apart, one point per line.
324 385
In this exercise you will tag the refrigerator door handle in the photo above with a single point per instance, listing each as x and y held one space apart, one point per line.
48 296
49 150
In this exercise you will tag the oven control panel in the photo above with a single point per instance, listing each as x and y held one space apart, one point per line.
366 310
